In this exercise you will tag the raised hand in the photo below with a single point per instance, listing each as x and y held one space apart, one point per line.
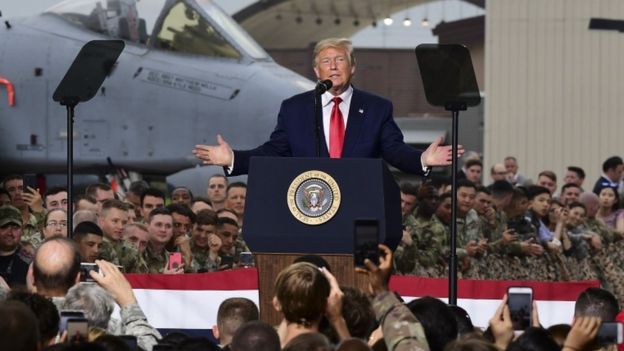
378 276
439 155
218 155
501 325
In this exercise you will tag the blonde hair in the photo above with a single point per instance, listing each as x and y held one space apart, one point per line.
337 43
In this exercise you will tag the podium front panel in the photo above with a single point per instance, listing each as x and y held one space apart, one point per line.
367 190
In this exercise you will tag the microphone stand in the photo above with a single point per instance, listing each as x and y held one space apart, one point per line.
317 122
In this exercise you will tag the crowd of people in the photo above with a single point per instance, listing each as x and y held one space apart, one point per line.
317 314
511 229
517 229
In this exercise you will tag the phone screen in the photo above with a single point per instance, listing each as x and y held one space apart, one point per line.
77 330
66 315
366 241
610 333
227 262
246 259
175 260
85 268
30 180
520 302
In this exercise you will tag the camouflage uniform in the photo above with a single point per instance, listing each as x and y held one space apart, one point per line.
239 246
401 329
580 247
425 255
35 240
468 229
30 230
495 236
607 235
404 255
202 262
133 322
123 254
156 262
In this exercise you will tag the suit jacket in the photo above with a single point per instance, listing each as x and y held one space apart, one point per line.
371 133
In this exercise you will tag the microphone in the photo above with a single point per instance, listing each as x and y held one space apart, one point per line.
322 86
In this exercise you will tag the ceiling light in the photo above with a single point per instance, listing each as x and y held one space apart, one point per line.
424 22
407 22
388 21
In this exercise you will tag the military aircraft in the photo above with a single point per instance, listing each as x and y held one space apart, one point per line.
188 72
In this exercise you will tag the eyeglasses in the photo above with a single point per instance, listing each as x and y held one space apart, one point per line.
61 224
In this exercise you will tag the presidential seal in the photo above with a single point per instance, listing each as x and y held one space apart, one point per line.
313 197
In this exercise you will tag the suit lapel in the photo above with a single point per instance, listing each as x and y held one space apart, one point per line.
354 124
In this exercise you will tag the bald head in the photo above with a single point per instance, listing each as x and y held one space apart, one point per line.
56 266
498 172
590 200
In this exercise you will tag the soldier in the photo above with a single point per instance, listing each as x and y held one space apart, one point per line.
409 200
583 242
216 191
205 243
113 218
89 238
160 229
182 195
470 240
183 220
227 230
235 200
525 240
136 234
14 259
487 213
150 199
30 204
421 252
239 242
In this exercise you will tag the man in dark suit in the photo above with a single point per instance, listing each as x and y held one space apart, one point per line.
355 124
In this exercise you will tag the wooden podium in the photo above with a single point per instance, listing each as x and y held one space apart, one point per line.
281 223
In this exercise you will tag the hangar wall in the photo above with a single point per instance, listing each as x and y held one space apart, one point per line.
554 87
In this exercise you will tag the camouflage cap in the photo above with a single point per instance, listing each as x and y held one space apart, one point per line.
10 214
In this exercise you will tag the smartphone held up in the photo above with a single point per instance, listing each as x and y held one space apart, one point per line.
520 302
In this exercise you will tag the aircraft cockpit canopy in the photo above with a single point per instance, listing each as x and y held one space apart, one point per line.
173 25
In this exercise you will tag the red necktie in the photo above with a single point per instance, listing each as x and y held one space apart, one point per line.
336 130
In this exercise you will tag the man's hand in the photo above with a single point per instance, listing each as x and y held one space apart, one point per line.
378 277
583 332
595 242
407 238
529 247
214 243
482 246
112 280
219 155
33 199
535 322
438 155
472 248
501 326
